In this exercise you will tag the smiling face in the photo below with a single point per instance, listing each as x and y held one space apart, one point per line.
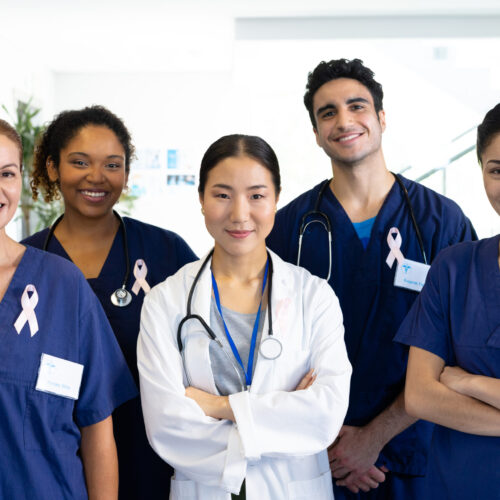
490 160
348 128
91 172
10 180
239 204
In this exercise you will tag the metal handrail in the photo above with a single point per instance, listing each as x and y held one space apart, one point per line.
447 164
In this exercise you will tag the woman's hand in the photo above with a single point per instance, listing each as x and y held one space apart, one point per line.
455 378
213 406
307 381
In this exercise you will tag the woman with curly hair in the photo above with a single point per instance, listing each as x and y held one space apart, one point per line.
61 370
84 155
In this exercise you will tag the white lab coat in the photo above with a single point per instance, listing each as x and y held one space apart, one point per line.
279 440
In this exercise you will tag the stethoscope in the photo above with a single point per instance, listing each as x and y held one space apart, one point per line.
324 221
270 347
121 297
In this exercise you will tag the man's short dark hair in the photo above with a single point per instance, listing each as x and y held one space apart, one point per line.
325 72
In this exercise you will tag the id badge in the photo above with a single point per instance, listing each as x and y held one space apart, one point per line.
411 275
59 376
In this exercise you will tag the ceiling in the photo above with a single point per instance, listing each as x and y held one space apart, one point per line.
176 35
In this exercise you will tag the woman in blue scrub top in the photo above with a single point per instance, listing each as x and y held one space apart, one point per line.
85 156
61 370
454 365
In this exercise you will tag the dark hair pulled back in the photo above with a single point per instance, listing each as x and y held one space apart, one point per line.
240 145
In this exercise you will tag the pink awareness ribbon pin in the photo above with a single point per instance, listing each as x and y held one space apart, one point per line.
394 245
140 273
28 313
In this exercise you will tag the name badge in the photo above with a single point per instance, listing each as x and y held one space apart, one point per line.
59 376
411 275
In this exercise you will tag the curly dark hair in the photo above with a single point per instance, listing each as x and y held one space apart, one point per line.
64 127
240 145
7 130
487 131
325 72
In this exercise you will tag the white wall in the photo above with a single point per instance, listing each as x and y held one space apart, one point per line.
428 102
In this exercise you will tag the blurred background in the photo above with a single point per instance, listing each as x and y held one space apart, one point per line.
183 73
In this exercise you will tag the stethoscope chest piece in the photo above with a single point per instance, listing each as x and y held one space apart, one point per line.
270 348
121 297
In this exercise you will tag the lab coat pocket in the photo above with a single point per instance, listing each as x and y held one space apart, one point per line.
182 489
48 419
186 489
319 488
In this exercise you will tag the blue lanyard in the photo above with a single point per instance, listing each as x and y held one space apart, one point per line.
248 371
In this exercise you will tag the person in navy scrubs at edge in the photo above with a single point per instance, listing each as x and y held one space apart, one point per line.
61 370
454 362
85 155
381 451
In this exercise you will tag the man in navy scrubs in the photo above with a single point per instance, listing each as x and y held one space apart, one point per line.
385 231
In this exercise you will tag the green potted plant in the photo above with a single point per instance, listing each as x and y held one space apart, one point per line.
29 132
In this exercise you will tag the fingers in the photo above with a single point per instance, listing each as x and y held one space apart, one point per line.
307 381
355 482
340 472
375 474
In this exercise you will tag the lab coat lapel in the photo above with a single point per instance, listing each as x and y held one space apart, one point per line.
282 298
196 339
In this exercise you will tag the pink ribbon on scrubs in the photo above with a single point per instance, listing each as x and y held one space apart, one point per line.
28 313
140 273
394 245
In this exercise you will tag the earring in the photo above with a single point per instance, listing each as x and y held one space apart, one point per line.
202 211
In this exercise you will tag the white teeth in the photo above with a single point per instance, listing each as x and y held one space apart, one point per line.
348 137
94 194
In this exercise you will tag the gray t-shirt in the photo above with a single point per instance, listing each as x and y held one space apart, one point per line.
225 366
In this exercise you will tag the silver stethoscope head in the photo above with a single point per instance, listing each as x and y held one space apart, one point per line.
270 348
121 297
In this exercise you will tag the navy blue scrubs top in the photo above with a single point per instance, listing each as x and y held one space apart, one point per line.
143 475
39 432
372 306
457 317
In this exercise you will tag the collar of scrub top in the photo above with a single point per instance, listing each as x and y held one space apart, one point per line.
121 297
323 219
248 371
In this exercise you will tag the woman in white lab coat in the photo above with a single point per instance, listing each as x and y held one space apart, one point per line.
250 413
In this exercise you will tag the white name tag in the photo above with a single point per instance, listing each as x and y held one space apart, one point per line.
411 275
59 376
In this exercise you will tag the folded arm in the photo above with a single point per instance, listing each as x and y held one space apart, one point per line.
427 397
486 389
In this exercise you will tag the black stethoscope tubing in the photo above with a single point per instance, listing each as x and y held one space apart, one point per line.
325 220
189 315
121 297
